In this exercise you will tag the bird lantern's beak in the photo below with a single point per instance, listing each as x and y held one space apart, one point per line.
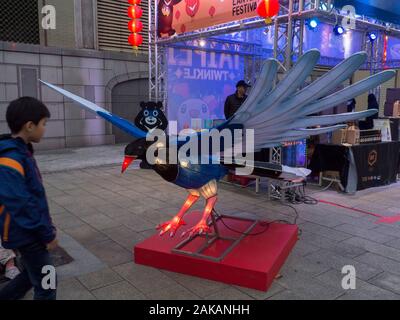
127 161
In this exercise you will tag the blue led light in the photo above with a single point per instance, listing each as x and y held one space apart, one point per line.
312 24
338 30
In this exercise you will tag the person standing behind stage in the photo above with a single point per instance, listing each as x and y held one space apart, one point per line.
368 124
372 104
351 105
234 101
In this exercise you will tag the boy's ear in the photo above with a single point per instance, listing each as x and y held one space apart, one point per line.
142 104
29 126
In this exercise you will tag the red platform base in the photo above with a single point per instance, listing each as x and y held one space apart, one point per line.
253 263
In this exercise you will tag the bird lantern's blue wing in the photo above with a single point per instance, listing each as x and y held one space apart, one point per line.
286 112
119 122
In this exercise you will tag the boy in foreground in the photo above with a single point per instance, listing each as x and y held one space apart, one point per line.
25 223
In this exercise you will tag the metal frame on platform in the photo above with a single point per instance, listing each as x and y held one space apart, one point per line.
210 239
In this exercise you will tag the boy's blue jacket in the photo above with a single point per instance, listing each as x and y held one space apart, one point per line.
24 212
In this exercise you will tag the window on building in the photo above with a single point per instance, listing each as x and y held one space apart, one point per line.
112 19
28 84
19 21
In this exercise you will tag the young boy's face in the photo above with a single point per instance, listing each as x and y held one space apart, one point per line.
36 132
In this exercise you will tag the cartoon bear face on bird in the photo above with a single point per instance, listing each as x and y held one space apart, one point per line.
151 116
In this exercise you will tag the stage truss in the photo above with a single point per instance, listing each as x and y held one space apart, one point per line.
288 41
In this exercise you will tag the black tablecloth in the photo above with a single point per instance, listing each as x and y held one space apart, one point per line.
371 165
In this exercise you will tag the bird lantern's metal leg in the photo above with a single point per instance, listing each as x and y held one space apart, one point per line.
202 226
172 225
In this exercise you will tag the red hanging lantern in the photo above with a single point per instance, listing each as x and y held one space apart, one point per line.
135 39
135 12
135 25
268 9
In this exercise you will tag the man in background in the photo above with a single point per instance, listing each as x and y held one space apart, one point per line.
234 101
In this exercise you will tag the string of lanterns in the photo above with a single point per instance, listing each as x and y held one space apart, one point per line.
135 25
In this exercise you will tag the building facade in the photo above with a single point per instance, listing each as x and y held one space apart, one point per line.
87 53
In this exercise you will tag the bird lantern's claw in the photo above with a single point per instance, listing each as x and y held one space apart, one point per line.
170 226
200 228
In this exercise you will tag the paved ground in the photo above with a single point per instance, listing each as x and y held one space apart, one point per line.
101 214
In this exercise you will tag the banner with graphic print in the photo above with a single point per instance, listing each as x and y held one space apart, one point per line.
377 164
198 84
180 16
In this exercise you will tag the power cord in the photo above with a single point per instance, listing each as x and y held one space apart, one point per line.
323 189
264 224
297 196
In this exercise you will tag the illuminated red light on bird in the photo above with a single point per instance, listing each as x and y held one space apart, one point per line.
127 161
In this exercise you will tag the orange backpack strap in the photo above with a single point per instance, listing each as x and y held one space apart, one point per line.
13 164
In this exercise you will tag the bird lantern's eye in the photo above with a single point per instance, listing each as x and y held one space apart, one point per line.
155 113
146 113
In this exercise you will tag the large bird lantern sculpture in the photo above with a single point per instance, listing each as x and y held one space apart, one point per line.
277 113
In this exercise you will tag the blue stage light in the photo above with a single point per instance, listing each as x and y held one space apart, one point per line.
338 30
312 24
372 36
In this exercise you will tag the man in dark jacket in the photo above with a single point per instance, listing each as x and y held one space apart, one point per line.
234 101
25 223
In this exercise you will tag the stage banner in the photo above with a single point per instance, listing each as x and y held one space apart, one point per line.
393 49
377 164
180 16
198 84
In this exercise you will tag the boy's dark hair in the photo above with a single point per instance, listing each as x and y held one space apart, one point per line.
23 110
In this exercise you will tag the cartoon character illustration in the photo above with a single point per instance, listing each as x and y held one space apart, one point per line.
165 16
192 109
192 6
151 117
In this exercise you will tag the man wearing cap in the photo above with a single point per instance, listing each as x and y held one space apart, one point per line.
234 101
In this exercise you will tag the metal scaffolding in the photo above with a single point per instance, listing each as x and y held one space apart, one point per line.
157 60
288 41
374 50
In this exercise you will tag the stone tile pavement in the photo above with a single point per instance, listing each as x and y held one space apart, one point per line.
102 214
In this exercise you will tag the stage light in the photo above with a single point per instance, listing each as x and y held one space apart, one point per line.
338 30
312 24
202 43
372 36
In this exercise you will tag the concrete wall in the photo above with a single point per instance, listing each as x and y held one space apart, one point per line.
88 73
